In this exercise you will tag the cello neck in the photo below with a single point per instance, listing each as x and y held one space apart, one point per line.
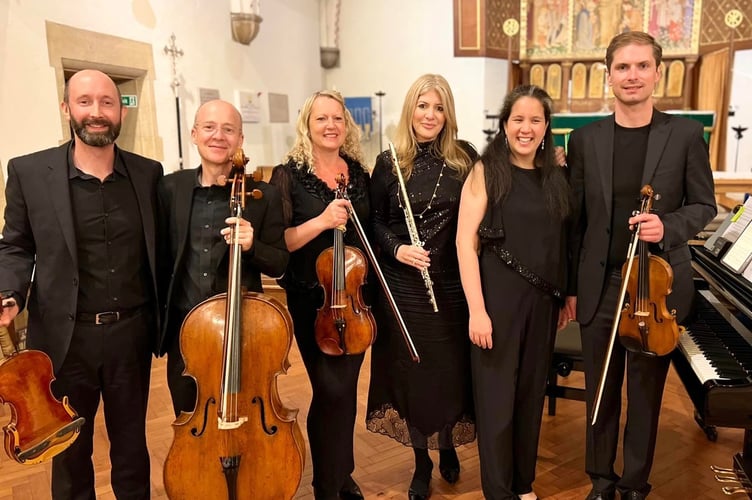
233 327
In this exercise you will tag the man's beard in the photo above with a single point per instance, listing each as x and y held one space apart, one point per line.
96 139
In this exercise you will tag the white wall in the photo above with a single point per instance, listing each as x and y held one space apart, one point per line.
741 103
386 44
282 59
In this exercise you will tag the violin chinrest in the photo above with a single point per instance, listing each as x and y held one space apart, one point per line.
50 445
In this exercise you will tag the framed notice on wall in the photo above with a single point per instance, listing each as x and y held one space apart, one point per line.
249 104
279 111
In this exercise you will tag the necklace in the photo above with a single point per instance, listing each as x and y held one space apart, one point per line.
433 195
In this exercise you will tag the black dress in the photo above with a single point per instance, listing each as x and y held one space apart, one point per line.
334 379
426 405
509 380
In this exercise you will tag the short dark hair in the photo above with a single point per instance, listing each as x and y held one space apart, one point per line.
633 38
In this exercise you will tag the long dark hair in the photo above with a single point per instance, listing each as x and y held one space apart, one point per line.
497 164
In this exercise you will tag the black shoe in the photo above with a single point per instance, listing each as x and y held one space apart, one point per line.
633 495
350 490
449 465
600 495
418 491
420 486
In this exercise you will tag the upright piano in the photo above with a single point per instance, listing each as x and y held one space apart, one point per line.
714 356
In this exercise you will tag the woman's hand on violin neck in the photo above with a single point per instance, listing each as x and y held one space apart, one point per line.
651 227
244 234
335 214
480 330
413 256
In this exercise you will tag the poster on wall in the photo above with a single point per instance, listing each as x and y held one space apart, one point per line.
582 29
360 109
249 104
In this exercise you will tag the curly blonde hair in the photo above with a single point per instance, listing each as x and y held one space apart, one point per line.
445 145
302 151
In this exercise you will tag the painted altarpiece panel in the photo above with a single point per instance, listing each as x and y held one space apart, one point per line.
582 29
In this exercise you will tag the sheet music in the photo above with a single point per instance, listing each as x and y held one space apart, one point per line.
738 256
739 222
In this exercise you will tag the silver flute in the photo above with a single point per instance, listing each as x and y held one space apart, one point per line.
412 229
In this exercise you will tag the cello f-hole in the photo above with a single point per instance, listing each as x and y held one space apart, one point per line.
262 413
197 433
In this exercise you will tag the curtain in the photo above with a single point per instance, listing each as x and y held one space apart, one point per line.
711 95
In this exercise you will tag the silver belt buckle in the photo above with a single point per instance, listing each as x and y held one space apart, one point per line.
105 318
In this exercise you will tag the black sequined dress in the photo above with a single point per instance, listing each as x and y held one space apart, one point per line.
426 405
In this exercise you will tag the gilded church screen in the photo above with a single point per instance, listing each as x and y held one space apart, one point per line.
581 29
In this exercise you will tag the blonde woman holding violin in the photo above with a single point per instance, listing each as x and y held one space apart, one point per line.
327 146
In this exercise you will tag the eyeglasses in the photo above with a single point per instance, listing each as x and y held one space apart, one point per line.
212 128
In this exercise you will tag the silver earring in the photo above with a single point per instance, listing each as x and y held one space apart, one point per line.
543 144
506 142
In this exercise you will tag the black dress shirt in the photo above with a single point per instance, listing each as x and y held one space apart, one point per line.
206 248
112 261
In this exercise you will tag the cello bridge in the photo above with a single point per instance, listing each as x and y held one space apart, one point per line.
228 425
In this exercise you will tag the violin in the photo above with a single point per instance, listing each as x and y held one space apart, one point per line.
41 426
644 323
240 442
647 326
344 324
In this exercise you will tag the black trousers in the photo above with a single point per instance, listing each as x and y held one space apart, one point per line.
331 417
646 377
509 386
182 389
111 362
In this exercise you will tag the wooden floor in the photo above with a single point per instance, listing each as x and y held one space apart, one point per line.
384 467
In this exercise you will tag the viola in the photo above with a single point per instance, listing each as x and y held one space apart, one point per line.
41 426
344 323
647 325
240 442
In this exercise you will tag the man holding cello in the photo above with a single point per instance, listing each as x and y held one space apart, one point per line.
610 161
196 231
81 217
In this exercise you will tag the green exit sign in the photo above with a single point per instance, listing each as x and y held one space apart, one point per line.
129 101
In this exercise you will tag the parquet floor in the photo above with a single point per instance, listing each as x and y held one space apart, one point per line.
384 468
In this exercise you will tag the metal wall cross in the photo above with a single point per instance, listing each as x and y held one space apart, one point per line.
174 53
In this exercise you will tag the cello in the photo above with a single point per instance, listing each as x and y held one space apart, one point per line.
644 323
240 442
344 323
41 426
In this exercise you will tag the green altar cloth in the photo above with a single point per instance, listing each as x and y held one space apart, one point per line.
563 123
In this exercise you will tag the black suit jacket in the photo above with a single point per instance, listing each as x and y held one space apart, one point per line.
268 254
678 169
39 236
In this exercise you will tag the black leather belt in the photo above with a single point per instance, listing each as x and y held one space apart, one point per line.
106 317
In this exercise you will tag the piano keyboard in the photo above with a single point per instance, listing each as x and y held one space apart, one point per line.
715 347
